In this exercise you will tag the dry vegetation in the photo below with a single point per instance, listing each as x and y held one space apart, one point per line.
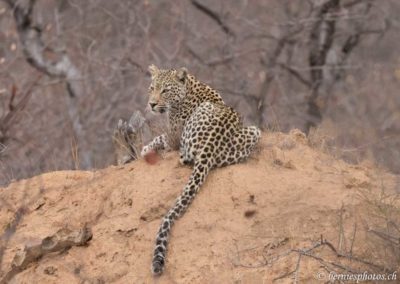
69 70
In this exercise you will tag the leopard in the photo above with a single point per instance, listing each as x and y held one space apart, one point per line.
211 134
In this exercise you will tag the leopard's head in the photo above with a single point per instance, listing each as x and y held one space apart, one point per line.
167 88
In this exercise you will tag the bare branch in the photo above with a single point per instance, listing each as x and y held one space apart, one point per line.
269 64
15 110
213 15
33 46
321 39
296 74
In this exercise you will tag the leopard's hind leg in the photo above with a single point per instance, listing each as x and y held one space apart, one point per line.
239 146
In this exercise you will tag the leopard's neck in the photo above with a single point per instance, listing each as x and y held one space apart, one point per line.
196 94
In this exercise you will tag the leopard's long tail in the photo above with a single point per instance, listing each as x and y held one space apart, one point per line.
200 171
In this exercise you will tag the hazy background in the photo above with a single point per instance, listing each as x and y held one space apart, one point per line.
330 68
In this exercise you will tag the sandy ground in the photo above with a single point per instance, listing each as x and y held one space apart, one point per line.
245 226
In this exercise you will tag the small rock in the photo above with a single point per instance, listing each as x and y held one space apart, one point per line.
279 159
278 156
289 165
252 199
129 202
250 213
298 136
50 270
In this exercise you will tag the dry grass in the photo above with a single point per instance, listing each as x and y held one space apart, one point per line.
113 56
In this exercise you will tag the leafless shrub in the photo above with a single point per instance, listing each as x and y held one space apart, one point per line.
282 64
60 66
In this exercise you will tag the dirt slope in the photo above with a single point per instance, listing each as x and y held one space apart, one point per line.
244 227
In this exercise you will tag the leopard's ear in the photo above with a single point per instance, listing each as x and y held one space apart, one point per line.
153 70
181 74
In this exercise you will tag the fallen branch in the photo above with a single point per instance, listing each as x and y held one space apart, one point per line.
63 240
391 239
308 252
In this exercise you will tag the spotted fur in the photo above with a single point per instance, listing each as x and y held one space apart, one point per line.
212 135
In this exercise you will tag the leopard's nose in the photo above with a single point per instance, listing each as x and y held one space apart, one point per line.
152 105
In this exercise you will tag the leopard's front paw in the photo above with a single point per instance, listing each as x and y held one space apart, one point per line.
145 150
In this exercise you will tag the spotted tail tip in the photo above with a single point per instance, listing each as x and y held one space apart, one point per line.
157 267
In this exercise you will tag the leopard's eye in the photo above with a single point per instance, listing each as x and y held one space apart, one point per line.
151 88
164 91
